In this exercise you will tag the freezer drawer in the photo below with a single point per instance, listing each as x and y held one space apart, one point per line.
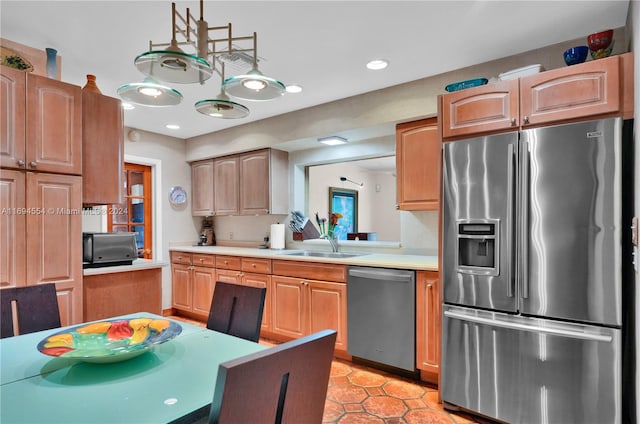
524 370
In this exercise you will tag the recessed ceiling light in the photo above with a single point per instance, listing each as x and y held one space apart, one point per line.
334 140
377 64
127 106
172 126
294 88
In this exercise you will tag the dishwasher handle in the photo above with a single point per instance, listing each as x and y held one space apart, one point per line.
381 274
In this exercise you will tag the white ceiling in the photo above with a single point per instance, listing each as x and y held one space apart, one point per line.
321 45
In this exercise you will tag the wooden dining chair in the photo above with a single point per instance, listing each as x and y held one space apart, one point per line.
283 384
34 307
237 310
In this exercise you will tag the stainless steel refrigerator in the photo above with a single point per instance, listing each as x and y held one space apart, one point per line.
532 274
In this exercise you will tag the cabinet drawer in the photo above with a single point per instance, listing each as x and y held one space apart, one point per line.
310 270
228 262
181 258
261 266
204 260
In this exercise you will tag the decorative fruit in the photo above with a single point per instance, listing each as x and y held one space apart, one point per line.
119 330
96 327
159 325
137 323
64 338
140 334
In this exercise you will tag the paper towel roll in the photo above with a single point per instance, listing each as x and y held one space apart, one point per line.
276 239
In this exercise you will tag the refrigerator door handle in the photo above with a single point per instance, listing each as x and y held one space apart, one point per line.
554 331
509 224
524 221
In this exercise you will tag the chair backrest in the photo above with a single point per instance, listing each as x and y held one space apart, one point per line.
283 384
237 310
36 309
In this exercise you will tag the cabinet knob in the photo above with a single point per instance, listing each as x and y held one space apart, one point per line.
513 122
525 119
20 163
253 265
201 259
33 163
179 257
226 262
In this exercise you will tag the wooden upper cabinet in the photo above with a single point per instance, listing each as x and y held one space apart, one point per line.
202 184
54 126
589 89
102 149
254 183
264 185
597 88
486 108
13 115
226 177
418 165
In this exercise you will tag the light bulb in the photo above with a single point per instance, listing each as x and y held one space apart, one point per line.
254 84
150 91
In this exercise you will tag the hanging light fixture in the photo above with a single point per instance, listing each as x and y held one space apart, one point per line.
173 64
176 66
254 85
150 93
221 106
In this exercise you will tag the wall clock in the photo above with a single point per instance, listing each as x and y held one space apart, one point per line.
177 196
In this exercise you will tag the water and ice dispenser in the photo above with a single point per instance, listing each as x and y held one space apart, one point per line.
478 247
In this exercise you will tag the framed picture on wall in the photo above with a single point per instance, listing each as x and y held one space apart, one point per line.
344 202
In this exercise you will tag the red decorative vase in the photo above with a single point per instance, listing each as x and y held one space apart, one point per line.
91 84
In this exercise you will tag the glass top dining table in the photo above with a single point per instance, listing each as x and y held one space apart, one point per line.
169 382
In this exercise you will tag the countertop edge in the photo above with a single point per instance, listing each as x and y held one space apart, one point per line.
138 265
386 260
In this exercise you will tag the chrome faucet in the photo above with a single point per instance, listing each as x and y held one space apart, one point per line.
333 240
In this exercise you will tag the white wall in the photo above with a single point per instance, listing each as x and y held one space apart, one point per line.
172 225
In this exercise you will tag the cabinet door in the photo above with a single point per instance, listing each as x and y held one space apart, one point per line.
418 165
225 175
228 276
261 280
488 108
54 228
328 309
102 149
591 88
12 126
289 306
428 323
202 184
54 126
255 183
204 282
181 287
70 303
13 228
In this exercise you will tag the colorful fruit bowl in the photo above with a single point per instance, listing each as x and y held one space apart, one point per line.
111 340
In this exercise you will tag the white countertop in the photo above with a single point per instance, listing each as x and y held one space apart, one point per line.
387 260
137 265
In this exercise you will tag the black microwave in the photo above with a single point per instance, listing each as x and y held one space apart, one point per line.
108 249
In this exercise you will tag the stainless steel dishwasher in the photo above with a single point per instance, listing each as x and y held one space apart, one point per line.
381 315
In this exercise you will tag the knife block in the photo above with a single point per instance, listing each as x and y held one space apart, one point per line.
308 232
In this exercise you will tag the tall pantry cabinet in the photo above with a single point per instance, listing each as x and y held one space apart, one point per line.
41 186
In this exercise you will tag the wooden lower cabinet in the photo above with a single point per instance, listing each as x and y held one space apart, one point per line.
253 280
42 235
192 286
428 325
121 293
301 307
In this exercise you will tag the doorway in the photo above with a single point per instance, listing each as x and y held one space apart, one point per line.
136 212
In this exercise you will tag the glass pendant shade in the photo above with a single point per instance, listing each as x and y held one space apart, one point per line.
253 86
222 107
174 66
150 93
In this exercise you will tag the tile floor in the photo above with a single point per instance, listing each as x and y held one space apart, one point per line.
360 394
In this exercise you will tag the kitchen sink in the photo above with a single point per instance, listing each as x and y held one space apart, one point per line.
320 254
